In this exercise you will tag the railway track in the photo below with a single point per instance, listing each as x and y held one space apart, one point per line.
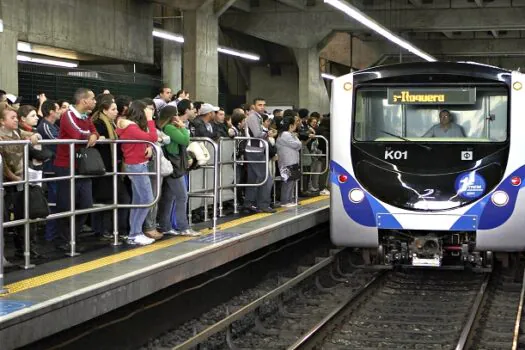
280 316
420 309
322 307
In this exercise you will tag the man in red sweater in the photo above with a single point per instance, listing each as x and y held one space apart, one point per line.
75 124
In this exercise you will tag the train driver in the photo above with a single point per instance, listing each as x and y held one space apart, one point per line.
446 127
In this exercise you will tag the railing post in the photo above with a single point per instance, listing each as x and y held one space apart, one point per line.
216 173
72 203
116 242
3 290
235 201
219 154
27 231
205 181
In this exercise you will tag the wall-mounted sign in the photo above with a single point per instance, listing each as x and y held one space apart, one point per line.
423 96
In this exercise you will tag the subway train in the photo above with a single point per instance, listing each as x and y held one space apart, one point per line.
428 163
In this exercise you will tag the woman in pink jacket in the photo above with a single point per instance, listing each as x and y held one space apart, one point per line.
138 125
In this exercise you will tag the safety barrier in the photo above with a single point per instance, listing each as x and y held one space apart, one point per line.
203 193
224 156
326 157
219 170
72 177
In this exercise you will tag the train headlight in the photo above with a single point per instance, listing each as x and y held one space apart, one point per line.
356 195
500 198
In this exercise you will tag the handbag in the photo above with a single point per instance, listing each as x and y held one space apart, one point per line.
38 205
166 168
90 162
290 173
178 161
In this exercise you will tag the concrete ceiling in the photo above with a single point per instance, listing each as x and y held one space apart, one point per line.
452 28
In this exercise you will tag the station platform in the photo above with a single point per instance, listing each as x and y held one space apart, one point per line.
61 294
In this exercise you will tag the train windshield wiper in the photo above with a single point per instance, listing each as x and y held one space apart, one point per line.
428 148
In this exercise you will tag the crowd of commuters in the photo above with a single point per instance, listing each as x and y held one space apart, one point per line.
169 121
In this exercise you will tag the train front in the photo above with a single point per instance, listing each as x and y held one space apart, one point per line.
423 167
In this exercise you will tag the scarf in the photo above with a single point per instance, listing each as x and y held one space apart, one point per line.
109 126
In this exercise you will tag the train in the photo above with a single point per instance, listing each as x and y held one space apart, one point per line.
427 163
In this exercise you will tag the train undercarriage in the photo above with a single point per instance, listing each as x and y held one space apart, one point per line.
431 249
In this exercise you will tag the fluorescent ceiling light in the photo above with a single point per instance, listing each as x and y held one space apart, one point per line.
370 23
232 52
328 76
49 62
23 46
159 33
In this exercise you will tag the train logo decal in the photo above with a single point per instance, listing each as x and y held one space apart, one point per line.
470 185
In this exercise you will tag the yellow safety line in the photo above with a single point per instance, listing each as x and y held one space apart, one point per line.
112 259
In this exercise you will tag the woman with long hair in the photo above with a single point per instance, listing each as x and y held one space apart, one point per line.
174 191
104 118
138 125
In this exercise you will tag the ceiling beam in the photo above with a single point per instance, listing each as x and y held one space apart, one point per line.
416 3
463 47
243 5
221 6
308 28
296 4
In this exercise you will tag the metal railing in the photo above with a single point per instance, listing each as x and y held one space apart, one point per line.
325 155
239 161
203 193
72 177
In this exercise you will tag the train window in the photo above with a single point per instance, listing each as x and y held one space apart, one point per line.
482 119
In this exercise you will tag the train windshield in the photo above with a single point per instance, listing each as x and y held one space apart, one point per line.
431 114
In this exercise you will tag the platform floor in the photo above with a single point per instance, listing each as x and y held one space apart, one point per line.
60 294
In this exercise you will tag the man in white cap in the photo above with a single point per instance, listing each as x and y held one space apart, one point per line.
202 125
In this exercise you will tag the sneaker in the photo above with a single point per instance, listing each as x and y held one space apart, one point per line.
7 263
172 232
289 205
269 210
313 189
153 234
141 239
324 192
190 232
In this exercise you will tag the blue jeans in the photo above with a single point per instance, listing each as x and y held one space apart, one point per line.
174 194
141 194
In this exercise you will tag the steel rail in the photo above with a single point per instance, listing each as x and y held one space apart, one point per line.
515 337
253 306
465 333
319 327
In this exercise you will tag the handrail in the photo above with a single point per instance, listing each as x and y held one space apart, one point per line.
325 155
3 290
237 161
72 177
215 189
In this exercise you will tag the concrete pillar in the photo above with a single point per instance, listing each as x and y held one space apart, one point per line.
312 91
200 60
172 54
9 65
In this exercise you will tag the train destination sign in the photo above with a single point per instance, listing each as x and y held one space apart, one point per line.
423 96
